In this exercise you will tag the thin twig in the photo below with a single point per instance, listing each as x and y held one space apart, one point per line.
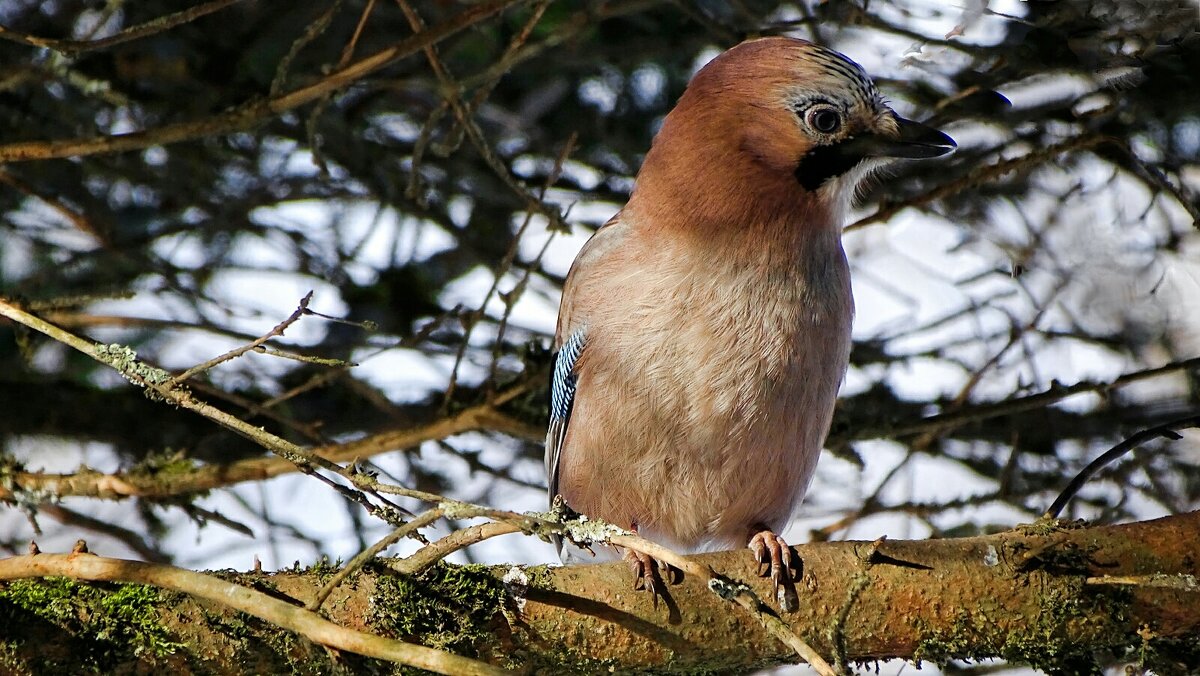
314 30
487 85
80 221
1182 582
301 310
314 142
514 294
366 555
460 539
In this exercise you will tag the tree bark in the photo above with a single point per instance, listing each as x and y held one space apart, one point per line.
1062 599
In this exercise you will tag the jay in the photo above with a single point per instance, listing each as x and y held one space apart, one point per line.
704 330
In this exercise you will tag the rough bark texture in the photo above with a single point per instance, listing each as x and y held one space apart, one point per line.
1035 595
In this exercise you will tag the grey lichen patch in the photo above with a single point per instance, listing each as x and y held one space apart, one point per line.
106 624
726 588
453 509
586 531
124 360
27 499
561 520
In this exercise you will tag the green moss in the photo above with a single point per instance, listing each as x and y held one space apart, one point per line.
539 577
106 623
323 569
1049 640
135 623
166 462
453 608
1045 526
11 661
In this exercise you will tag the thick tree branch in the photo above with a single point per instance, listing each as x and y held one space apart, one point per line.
1060 598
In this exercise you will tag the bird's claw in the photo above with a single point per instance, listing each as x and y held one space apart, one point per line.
774 557
649 574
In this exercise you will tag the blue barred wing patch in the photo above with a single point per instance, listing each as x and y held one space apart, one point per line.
562 381
562 399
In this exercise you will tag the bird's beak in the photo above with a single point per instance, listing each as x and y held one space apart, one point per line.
907 139
914 141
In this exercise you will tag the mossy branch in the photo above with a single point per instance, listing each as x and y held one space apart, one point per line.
85 566
1063 599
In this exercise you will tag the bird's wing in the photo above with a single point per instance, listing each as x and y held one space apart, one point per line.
562 399
571 337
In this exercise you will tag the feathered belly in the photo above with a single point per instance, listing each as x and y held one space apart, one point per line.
747 450
713 435
704 397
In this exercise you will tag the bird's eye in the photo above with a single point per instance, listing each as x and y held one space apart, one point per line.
824 120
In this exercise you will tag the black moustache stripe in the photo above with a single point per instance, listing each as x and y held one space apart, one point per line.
823 163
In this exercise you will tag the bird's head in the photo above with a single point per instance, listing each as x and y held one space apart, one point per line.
780 115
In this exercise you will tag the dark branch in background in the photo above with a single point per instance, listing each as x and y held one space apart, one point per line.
945 422
488 416
978 177
1168 430
138 32
256 112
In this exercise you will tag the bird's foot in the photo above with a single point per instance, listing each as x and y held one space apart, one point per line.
775 558
649 574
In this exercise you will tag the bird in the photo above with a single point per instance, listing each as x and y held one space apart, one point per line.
704 330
